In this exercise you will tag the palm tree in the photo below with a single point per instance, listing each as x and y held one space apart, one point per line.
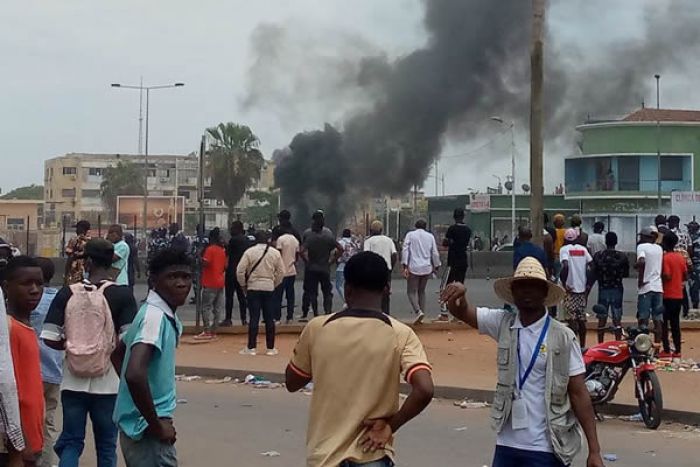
234 162
126 178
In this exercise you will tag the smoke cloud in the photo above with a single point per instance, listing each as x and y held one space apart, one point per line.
475 64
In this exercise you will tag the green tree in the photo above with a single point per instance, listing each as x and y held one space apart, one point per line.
126 178
263 209
234 162
25 192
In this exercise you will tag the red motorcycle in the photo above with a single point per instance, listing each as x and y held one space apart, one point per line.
608 363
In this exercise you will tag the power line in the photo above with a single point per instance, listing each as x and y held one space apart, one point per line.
478 149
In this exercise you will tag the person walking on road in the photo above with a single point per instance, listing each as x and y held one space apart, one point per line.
575 277
288 246
384 247
259 272
610 267
75 251
674 273
650 287
147 393
541 401
420 259
237 245
318 243
213 282
353 358
350 248
456 240
120 262
70 326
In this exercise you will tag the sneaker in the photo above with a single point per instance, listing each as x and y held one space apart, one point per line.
278 322
248 351
664 356
303 319
419 318
204 336
272 352
442 319
226 323
287 322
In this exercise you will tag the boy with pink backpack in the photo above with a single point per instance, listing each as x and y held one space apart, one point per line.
87 320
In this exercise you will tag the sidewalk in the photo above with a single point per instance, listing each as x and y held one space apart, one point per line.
460 358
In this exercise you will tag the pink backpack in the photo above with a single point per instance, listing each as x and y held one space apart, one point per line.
90 337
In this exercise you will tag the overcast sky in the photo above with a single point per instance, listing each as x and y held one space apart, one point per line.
60 57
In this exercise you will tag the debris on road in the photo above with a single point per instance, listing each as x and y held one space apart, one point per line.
270 454
226 379
261 383
181 401
682 365
631 418
610 457
186 378
467 404
461 428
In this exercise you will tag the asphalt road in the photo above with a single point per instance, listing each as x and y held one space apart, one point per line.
231 425
480 293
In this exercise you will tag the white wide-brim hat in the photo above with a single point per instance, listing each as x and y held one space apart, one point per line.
528 269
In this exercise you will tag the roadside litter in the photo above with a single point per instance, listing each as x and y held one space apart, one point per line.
260 382
186 378
610 457
270 454
683 365
226 379
467 404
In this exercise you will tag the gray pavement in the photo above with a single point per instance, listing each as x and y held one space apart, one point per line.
231 425
480 292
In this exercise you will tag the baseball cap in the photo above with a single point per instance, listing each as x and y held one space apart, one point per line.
648 231
570 235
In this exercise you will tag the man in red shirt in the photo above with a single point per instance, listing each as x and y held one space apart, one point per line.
673 274
213 283
23 285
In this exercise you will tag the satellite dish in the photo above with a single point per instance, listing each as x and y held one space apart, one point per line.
508 185
526 187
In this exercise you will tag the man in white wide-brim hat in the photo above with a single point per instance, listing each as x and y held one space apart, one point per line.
541 401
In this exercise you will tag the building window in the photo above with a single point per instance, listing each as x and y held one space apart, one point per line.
184 194
97 171
90 193
70 171
15 223
68 192
672 168
628 170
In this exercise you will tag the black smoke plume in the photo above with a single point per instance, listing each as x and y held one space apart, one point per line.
475 64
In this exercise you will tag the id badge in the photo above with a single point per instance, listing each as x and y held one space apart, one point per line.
518 414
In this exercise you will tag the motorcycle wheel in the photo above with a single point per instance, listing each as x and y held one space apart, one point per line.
651 400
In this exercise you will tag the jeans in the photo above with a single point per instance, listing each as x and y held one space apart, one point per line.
232 286
672 315
611 299
340 283
312 279
211 308
52 393
261 301
385 462
416 291
76 407
511 457
286 288
147 452
649 305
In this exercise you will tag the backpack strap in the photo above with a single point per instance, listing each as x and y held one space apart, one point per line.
249 273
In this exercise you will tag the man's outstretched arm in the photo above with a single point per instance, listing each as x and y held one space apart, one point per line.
455 296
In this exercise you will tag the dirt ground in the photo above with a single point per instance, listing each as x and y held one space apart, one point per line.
460 358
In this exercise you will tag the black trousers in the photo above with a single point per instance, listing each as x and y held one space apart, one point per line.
285 288
261 302
457 273
672 316
232 286
312 279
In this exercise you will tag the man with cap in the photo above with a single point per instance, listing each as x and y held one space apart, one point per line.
541 401
649 285
384 247
576 222
694 251
575 261
317 245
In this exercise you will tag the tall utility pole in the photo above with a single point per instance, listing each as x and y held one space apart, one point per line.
536 121
658 145
437 179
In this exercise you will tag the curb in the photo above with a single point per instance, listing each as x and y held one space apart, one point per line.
442 392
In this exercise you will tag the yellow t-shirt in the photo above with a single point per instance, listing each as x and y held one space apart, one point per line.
558 241
356 359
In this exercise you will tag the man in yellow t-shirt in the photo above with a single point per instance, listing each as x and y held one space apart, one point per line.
355 358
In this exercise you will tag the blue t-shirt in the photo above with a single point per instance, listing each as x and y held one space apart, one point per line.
525 249
122 250
51 360
156 325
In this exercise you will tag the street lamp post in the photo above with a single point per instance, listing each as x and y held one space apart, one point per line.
511 126
148 89
658 145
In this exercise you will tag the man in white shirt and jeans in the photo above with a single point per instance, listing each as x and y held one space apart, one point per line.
541 402
650 287
420 259
575 278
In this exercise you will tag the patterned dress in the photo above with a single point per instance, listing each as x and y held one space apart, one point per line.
75 251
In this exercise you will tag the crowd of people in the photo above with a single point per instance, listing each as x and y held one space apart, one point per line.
92 349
